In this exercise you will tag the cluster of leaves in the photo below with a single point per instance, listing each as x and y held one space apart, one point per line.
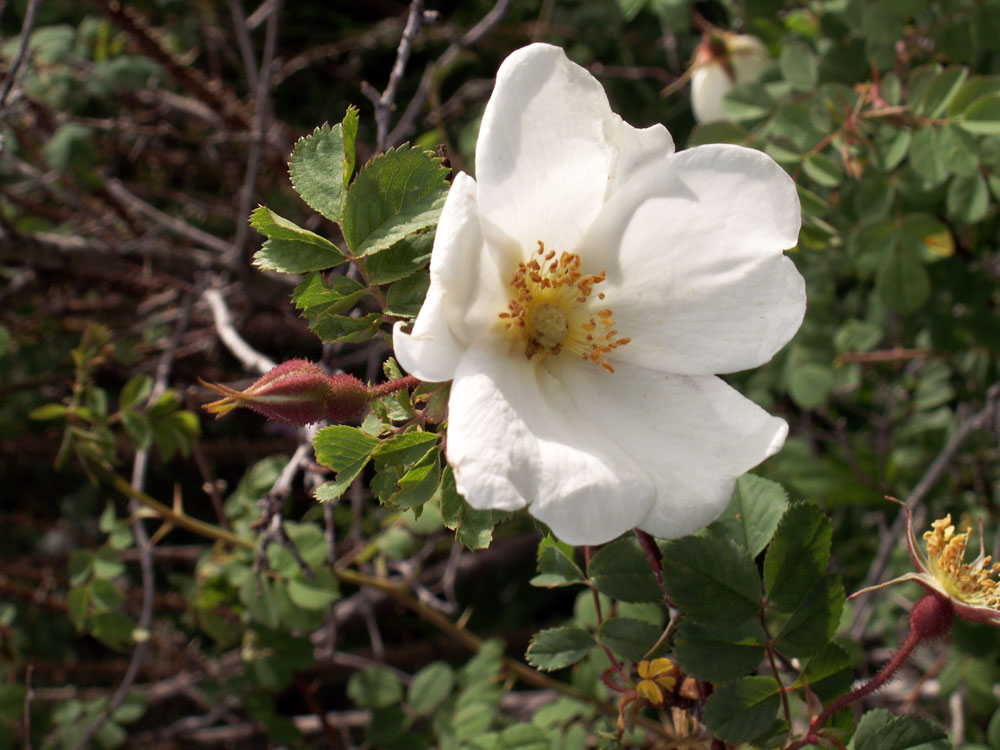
732 620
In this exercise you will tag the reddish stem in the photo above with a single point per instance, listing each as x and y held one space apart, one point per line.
392 386
655 559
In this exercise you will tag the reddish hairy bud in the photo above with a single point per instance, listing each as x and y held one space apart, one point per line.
296 392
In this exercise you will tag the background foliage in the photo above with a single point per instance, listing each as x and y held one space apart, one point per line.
136 142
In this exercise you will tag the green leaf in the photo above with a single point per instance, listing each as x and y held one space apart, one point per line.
798 66
404 450
290 248
828 673
893 146
712 580
982 117
814 620
968 199
345 450
871 243
429 687
823 170
742 710
880 730
958 150
798 555
396 194
621 571
747 101
556 648
374 687
752 514
473 527
973 89
942 90
135 391
5 340
316 593
925 157
138 428
903 283
628 638
344 328
811 385
320 164
406 296
926 237
556 566
420 483
719 654
317 298
523 737
401 260
48 411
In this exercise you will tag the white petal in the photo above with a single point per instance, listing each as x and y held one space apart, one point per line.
636 149
709 85
693 247
465 294
546 150
693 435
515 437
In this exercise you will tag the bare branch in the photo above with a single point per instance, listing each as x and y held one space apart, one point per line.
22 48
252 360
407 123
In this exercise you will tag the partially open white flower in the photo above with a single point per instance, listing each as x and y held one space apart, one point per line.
720 62
584 289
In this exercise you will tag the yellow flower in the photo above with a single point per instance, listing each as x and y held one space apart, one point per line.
657 675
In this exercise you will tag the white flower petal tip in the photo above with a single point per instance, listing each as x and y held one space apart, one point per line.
585 289
720 63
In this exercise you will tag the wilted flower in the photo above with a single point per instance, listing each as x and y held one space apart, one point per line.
971 589
296 392
721 61
656 676
584 288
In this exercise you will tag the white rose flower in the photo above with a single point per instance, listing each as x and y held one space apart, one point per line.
585 288
719 64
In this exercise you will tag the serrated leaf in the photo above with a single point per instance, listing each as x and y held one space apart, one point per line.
345 450
474 528
405 298
711 580
396 194
344 328
317 168
556 648
742 710
753 513
798 555
556 566
429 687
814 620
290 248
828 673
420 483
621 571
719 654
628 638
880 730
406 449
402 260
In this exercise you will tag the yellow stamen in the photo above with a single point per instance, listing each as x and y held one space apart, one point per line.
973 583
549 309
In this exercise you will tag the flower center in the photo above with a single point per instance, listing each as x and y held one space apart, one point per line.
972 583
551 310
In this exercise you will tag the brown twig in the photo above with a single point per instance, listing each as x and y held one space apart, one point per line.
30 14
